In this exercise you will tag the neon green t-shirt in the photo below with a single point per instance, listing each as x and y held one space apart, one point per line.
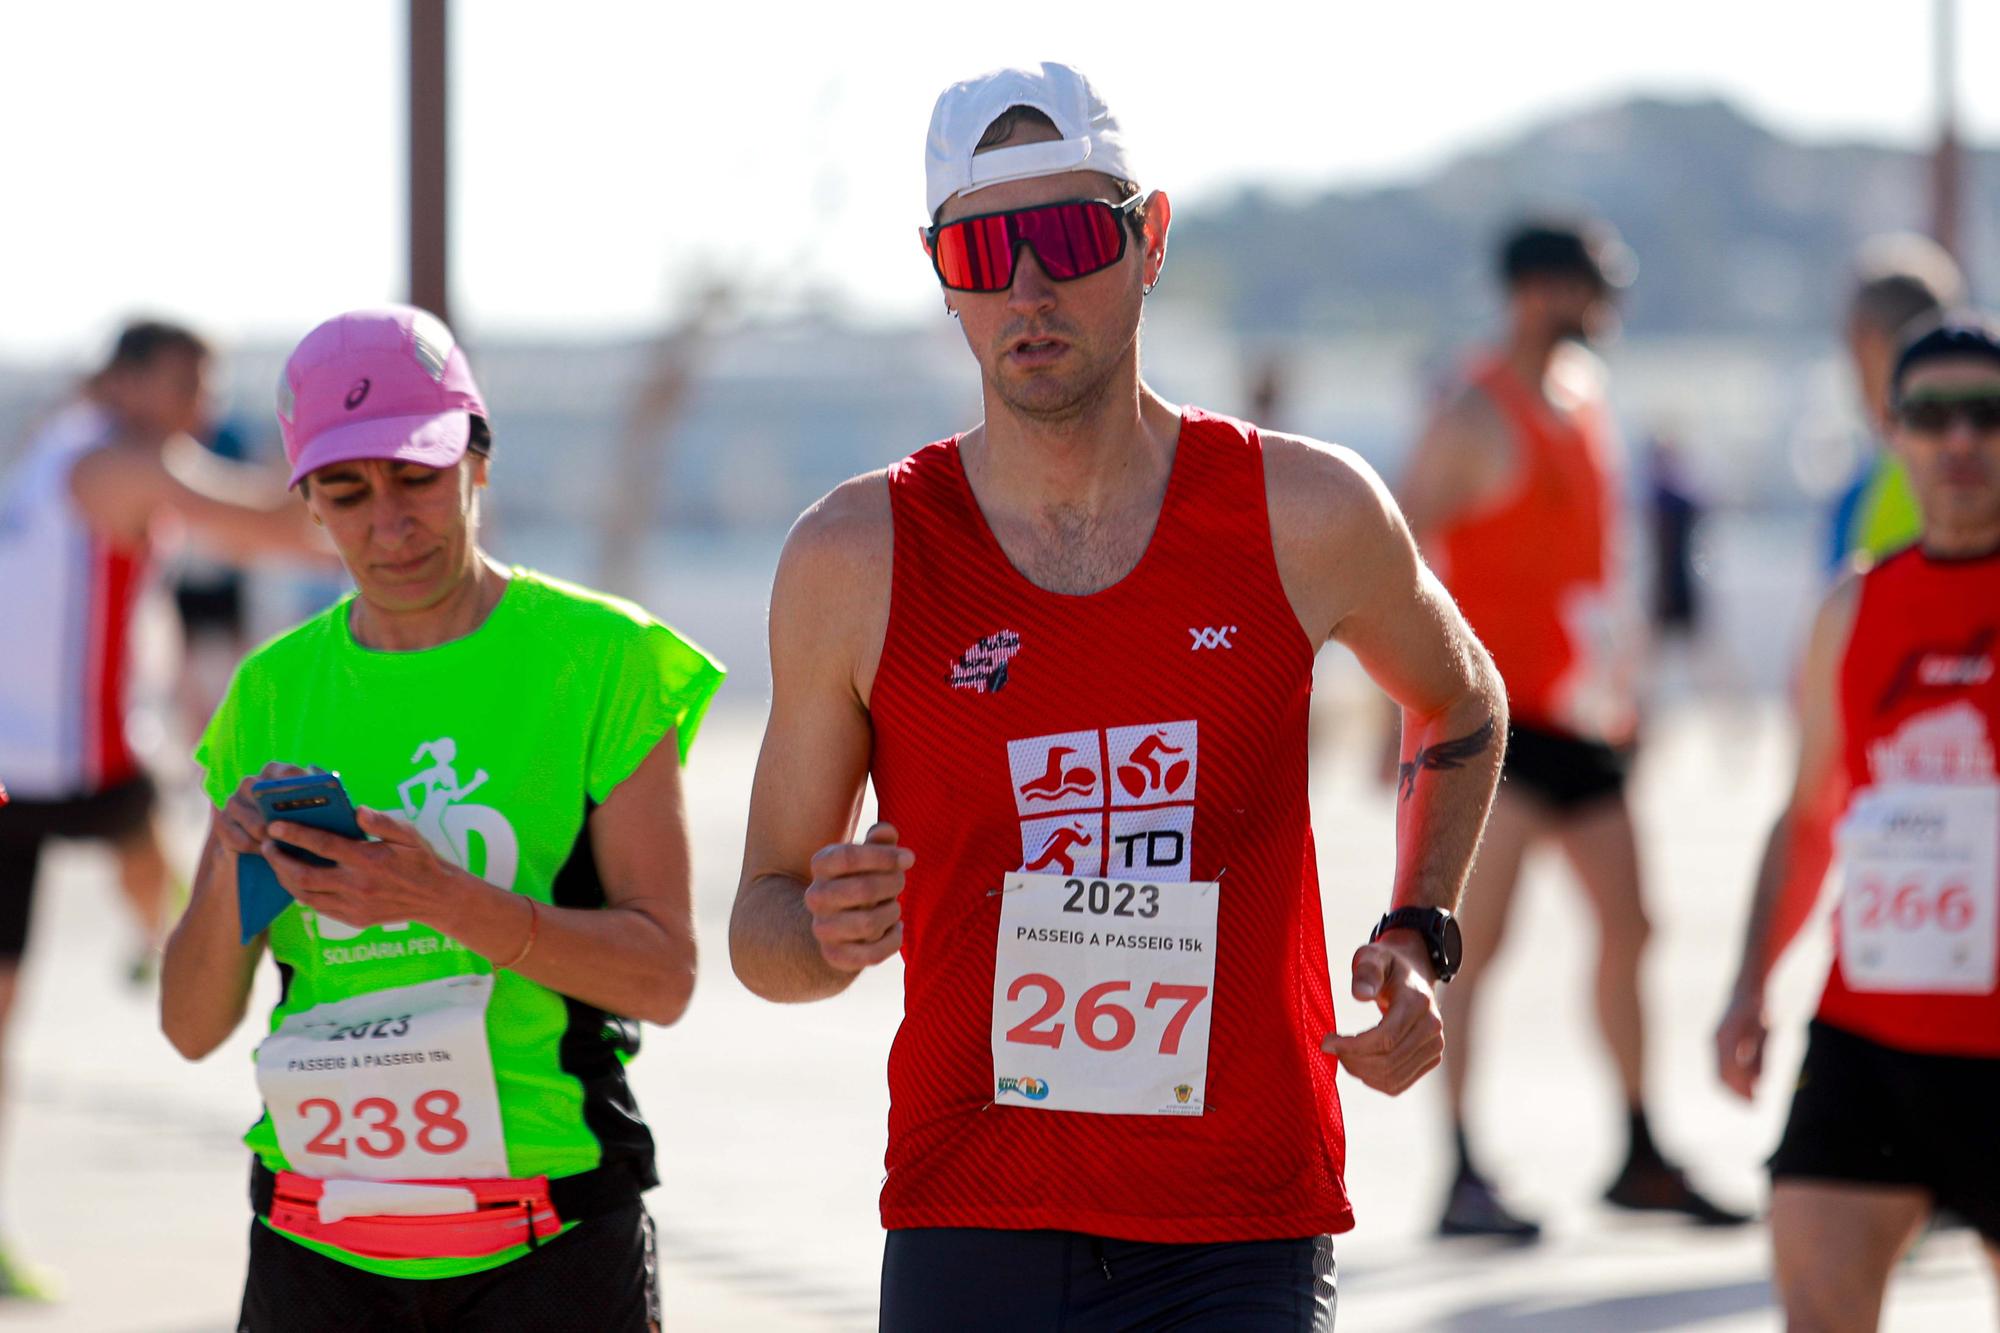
497 746
1887 519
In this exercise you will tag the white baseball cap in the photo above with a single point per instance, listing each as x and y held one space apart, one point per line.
1091 140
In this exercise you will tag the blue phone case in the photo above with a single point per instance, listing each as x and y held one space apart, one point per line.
316 800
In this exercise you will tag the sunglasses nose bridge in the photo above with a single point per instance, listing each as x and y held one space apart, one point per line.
1962 431
1030 281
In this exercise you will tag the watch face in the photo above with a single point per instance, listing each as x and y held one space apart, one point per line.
1452 944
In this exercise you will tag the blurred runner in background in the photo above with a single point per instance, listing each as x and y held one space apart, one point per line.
1900 280
1894 1112
1073 648
1513 489
462 991
79 514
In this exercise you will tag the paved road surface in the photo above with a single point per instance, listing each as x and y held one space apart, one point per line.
122 1168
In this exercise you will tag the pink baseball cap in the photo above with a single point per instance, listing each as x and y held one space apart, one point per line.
389 382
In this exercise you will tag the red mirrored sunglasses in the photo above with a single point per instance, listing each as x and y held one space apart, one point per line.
1072 239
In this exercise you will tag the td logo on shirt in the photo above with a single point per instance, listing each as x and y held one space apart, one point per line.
1119 801
477 838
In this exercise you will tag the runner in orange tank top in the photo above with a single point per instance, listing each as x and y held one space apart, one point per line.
1513 490
1073 649
1893 1114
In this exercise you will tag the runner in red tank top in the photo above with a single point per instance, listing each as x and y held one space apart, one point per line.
1894 1112
1073 648
1513 490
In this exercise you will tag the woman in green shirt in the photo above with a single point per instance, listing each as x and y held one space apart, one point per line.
459 993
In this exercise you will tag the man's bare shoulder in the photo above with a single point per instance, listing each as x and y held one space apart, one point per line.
1334 528
849 526
121 459
838 559
1834 621
1319 490
1466 417
117 485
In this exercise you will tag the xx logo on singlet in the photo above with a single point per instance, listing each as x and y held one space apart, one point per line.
473 837
1119 801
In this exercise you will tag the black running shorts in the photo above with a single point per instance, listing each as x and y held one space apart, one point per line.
975 1280
1564 774
602 1274
1870 1114
110 815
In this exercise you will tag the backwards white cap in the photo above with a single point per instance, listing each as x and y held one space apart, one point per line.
1090 141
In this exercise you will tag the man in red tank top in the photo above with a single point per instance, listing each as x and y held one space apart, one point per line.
1513 491
1900 714
1073 647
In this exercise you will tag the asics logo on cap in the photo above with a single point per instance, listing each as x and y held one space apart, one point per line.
358 394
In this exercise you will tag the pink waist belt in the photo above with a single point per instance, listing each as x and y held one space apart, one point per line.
505 1213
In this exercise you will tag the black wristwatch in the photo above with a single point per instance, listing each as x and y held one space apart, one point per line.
1440 931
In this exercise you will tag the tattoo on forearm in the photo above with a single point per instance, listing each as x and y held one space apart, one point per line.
1443 755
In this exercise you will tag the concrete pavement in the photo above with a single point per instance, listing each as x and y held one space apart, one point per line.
122 1167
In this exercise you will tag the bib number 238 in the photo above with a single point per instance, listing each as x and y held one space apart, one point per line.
391 1085
1102 990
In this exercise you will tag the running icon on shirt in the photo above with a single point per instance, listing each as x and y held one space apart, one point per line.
477 838
473 837
1065 842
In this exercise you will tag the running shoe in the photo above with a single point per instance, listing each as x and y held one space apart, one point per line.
1474 1209
1655 1185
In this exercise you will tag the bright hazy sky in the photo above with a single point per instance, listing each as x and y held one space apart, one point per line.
239 163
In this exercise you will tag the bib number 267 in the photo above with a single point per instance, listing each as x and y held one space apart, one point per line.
1102 993
1100 1021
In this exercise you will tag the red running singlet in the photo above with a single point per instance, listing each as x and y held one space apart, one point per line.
1920 702
1163 721
1534 572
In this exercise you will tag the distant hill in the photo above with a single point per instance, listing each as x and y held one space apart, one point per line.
1738 229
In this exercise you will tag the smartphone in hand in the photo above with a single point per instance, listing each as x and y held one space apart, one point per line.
316 800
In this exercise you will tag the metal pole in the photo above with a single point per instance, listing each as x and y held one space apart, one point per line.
1947 162
430 273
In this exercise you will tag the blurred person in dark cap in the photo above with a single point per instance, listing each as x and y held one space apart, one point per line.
1514 493
1899 281
80 515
